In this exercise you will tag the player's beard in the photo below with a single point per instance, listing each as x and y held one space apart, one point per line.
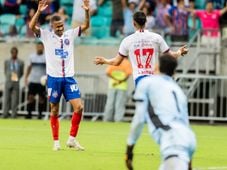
59 32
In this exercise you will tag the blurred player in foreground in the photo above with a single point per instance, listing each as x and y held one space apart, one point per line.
166 116
59 50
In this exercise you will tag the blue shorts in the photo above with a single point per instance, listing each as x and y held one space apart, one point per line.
62 85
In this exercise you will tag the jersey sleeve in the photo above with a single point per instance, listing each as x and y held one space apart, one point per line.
43 34
163 47
77 32
123 50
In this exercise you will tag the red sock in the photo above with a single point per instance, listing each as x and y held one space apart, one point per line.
54 126
75 122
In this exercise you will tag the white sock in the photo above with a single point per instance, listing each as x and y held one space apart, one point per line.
71 138
56 142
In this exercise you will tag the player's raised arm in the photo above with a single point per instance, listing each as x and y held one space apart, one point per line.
33 23
86 23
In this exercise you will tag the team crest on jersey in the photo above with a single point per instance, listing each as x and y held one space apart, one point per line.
55 94
66 41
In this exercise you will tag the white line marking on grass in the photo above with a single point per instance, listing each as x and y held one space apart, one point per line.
211 168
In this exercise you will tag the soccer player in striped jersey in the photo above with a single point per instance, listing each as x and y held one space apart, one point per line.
166 117
59 50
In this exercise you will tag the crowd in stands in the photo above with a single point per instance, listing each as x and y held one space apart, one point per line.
109 18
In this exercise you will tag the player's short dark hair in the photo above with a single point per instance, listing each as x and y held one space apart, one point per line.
167 64
140 18
14 49
55 18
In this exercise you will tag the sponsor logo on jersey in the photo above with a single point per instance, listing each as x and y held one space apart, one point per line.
61 53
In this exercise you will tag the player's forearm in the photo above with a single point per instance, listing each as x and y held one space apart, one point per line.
86 24
135 132
33 22
112 61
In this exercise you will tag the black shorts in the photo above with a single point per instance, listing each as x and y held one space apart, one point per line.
36 88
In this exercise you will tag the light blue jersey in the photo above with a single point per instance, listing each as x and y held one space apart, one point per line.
163 106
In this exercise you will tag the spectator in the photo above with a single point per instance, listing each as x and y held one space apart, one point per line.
117 93
12 31
48 11
161 11
61 12
1 8
78 15
177 20
210 23
13 70
11 6
218 4
31 4
148 10
117 22
28 18
36 70
128 11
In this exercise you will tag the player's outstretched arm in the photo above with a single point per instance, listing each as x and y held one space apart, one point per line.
33 23
113 61
86 23
180 52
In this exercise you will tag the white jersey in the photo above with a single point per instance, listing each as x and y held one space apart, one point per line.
59 52
143 48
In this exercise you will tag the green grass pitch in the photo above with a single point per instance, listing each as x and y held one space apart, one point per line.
27 145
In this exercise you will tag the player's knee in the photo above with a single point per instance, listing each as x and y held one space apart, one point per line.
79 108
54 109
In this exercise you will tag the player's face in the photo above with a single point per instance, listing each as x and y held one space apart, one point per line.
58 27
39 48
